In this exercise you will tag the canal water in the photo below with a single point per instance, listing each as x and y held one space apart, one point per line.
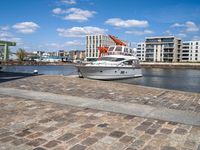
177 79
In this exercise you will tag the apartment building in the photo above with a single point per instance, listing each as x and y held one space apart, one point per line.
141 51
163 49
95 41
190 51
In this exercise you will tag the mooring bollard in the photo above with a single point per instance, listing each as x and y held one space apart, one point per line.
35 72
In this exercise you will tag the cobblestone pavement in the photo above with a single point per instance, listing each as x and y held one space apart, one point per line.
110 91
26 124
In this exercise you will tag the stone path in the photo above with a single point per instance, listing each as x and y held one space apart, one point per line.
110 106
48 124
27 124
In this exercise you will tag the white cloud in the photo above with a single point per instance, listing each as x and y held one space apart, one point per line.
139 32
4 28
69 1
117 22
181 35
80 31
191 26
177 25
26 27
75 14
58 11
6 36
79 14
188 26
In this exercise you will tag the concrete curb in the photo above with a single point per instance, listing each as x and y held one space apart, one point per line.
179 116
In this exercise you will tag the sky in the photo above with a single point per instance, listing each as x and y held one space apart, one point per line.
53 25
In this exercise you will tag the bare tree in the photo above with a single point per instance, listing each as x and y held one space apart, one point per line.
21 54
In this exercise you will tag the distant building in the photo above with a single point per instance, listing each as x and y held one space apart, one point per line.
163 49
141 51
95 41
191 51
77 54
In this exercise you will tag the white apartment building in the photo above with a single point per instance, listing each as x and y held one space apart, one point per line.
95 41
162 49
141 51
190 51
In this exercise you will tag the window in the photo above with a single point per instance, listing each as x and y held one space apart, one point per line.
118 48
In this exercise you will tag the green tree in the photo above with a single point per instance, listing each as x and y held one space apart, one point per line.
21 54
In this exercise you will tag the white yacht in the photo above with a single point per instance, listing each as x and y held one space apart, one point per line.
119 63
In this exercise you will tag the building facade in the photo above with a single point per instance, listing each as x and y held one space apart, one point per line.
141 51
163 49
190 51
95 41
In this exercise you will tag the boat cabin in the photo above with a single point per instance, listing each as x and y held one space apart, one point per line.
121 50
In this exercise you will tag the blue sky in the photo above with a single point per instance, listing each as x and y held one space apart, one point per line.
62 24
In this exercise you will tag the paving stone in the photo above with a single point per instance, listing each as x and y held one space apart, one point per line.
45 120
146 123
99 135
160 122
88 125
198 147
126 139
165 131
180 131
129 148
149 147
129 117
189 144
103 125
89 141
19 141
66 137
23 133
52 143
151 131
142 127
172 123
116 134
2 130
39 148
50 129
78 147
137 144
35 135
6 134
7 139
108 140
168 148
36 142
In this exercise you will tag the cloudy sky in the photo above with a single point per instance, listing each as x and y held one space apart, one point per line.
62 24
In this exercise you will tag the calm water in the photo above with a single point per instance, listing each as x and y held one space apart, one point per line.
178 79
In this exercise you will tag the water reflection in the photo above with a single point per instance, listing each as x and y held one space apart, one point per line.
178 79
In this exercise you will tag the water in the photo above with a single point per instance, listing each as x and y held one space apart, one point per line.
177 79
46 69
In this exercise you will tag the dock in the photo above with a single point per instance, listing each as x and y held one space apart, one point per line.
60 112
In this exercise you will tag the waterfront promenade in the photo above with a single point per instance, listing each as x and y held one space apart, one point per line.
58 112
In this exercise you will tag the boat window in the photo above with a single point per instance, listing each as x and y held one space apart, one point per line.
111 49
129 62
126 50
118 49
112 59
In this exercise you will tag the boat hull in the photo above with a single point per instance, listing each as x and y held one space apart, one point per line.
108 73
